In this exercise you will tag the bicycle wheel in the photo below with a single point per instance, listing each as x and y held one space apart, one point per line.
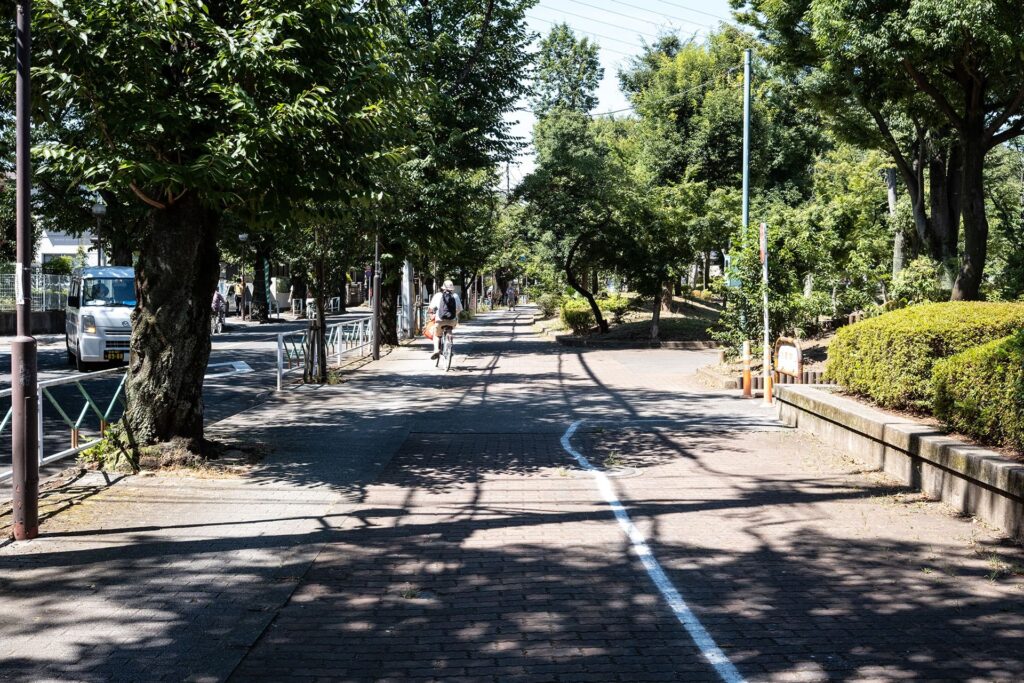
448 352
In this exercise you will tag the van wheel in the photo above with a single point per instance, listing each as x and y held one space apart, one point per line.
71 356
79 364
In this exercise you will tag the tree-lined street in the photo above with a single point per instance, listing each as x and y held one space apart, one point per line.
737 387
415 525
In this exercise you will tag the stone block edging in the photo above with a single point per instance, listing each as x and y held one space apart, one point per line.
972 479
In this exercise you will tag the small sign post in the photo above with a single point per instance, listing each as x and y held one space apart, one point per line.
789 359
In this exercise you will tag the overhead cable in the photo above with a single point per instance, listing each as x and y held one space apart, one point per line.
673 96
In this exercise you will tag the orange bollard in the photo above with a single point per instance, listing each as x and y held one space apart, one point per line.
748 381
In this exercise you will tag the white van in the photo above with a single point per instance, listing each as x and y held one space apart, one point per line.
100 304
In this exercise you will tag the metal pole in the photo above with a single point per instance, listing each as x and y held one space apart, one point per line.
767 357
24 393
376 298
746 140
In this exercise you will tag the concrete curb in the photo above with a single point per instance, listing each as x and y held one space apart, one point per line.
974 480
718 380
570 340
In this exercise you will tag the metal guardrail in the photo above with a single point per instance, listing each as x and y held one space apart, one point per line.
76 424
351 337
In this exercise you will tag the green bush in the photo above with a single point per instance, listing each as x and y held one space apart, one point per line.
890 358
577 316
917 283
616 305
549 304
980 392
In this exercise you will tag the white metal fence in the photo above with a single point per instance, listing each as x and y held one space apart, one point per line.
89 421
49 292
350 338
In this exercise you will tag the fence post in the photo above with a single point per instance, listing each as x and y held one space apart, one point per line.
280 361
39 424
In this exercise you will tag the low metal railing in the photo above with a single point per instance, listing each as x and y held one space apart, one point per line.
90 407
352 337
347 338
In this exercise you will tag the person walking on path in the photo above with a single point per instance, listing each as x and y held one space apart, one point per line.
445 307
239 288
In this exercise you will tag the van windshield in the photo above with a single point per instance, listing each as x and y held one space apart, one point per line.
108 291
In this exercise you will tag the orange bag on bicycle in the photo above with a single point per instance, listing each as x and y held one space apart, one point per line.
429 329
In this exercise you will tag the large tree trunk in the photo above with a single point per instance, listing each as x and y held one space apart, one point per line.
389 290
259 309
945 181
315 369
656 317
972 263
170 347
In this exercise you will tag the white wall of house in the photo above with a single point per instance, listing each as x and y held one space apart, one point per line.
54 244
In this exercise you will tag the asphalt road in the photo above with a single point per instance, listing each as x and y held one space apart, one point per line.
240 374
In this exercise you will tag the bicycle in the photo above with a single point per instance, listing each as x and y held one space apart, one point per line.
217 321
447 350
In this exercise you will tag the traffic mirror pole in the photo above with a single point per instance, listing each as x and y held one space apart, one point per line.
24 397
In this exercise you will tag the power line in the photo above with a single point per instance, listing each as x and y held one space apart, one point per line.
673 96
603 9
662 14
693 9
597 21
598 35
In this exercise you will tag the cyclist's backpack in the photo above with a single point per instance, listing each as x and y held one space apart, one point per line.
448 311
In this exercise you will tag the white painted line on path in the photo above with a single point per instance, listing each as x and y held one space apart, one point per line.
725 669
236 367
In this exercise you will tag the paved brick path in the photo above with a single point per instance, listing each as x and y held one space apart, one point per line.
419 526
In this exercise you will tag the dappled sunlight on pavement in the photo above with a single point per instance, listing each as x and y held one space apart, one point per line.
412 524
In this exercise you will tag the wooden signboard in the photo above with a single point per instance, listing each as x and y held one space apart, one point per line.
789 360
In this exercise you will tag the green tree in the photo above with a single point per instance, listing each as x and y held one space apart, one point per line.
568 72
194 109
946 69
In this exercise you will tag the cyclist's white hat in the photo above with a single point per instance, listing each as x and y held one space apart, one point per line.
448 285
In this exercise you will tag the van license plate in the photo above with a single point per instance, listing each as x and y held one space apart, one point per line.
113 355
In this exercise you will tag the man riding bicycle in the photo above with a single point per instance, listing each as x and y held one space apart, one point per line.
444 310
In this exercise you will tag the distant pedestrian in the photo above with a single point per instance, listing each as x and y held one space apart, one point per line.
239 288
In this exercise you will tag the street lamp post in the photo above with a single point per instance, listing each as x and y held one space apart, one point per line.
99 210
24 397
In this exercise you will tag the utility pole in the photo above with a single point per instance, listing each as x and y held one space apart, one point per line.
376 297
24 396
746 141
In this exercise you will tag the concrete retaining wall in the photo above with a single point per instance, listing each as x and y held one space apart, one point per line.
43 322
974 480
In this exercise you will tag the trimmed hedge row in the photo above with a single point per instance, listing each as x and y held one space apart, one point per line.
980 392
577 316
890 359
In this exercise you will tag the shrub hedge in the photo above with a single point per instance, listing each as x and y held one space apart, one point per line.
549 304
577 316
890 358
616 305
980 392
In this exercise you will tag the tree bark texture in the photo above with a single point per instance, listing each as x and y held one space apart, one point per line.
972 262
258 308
170 346
315 368
945 180
389 290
